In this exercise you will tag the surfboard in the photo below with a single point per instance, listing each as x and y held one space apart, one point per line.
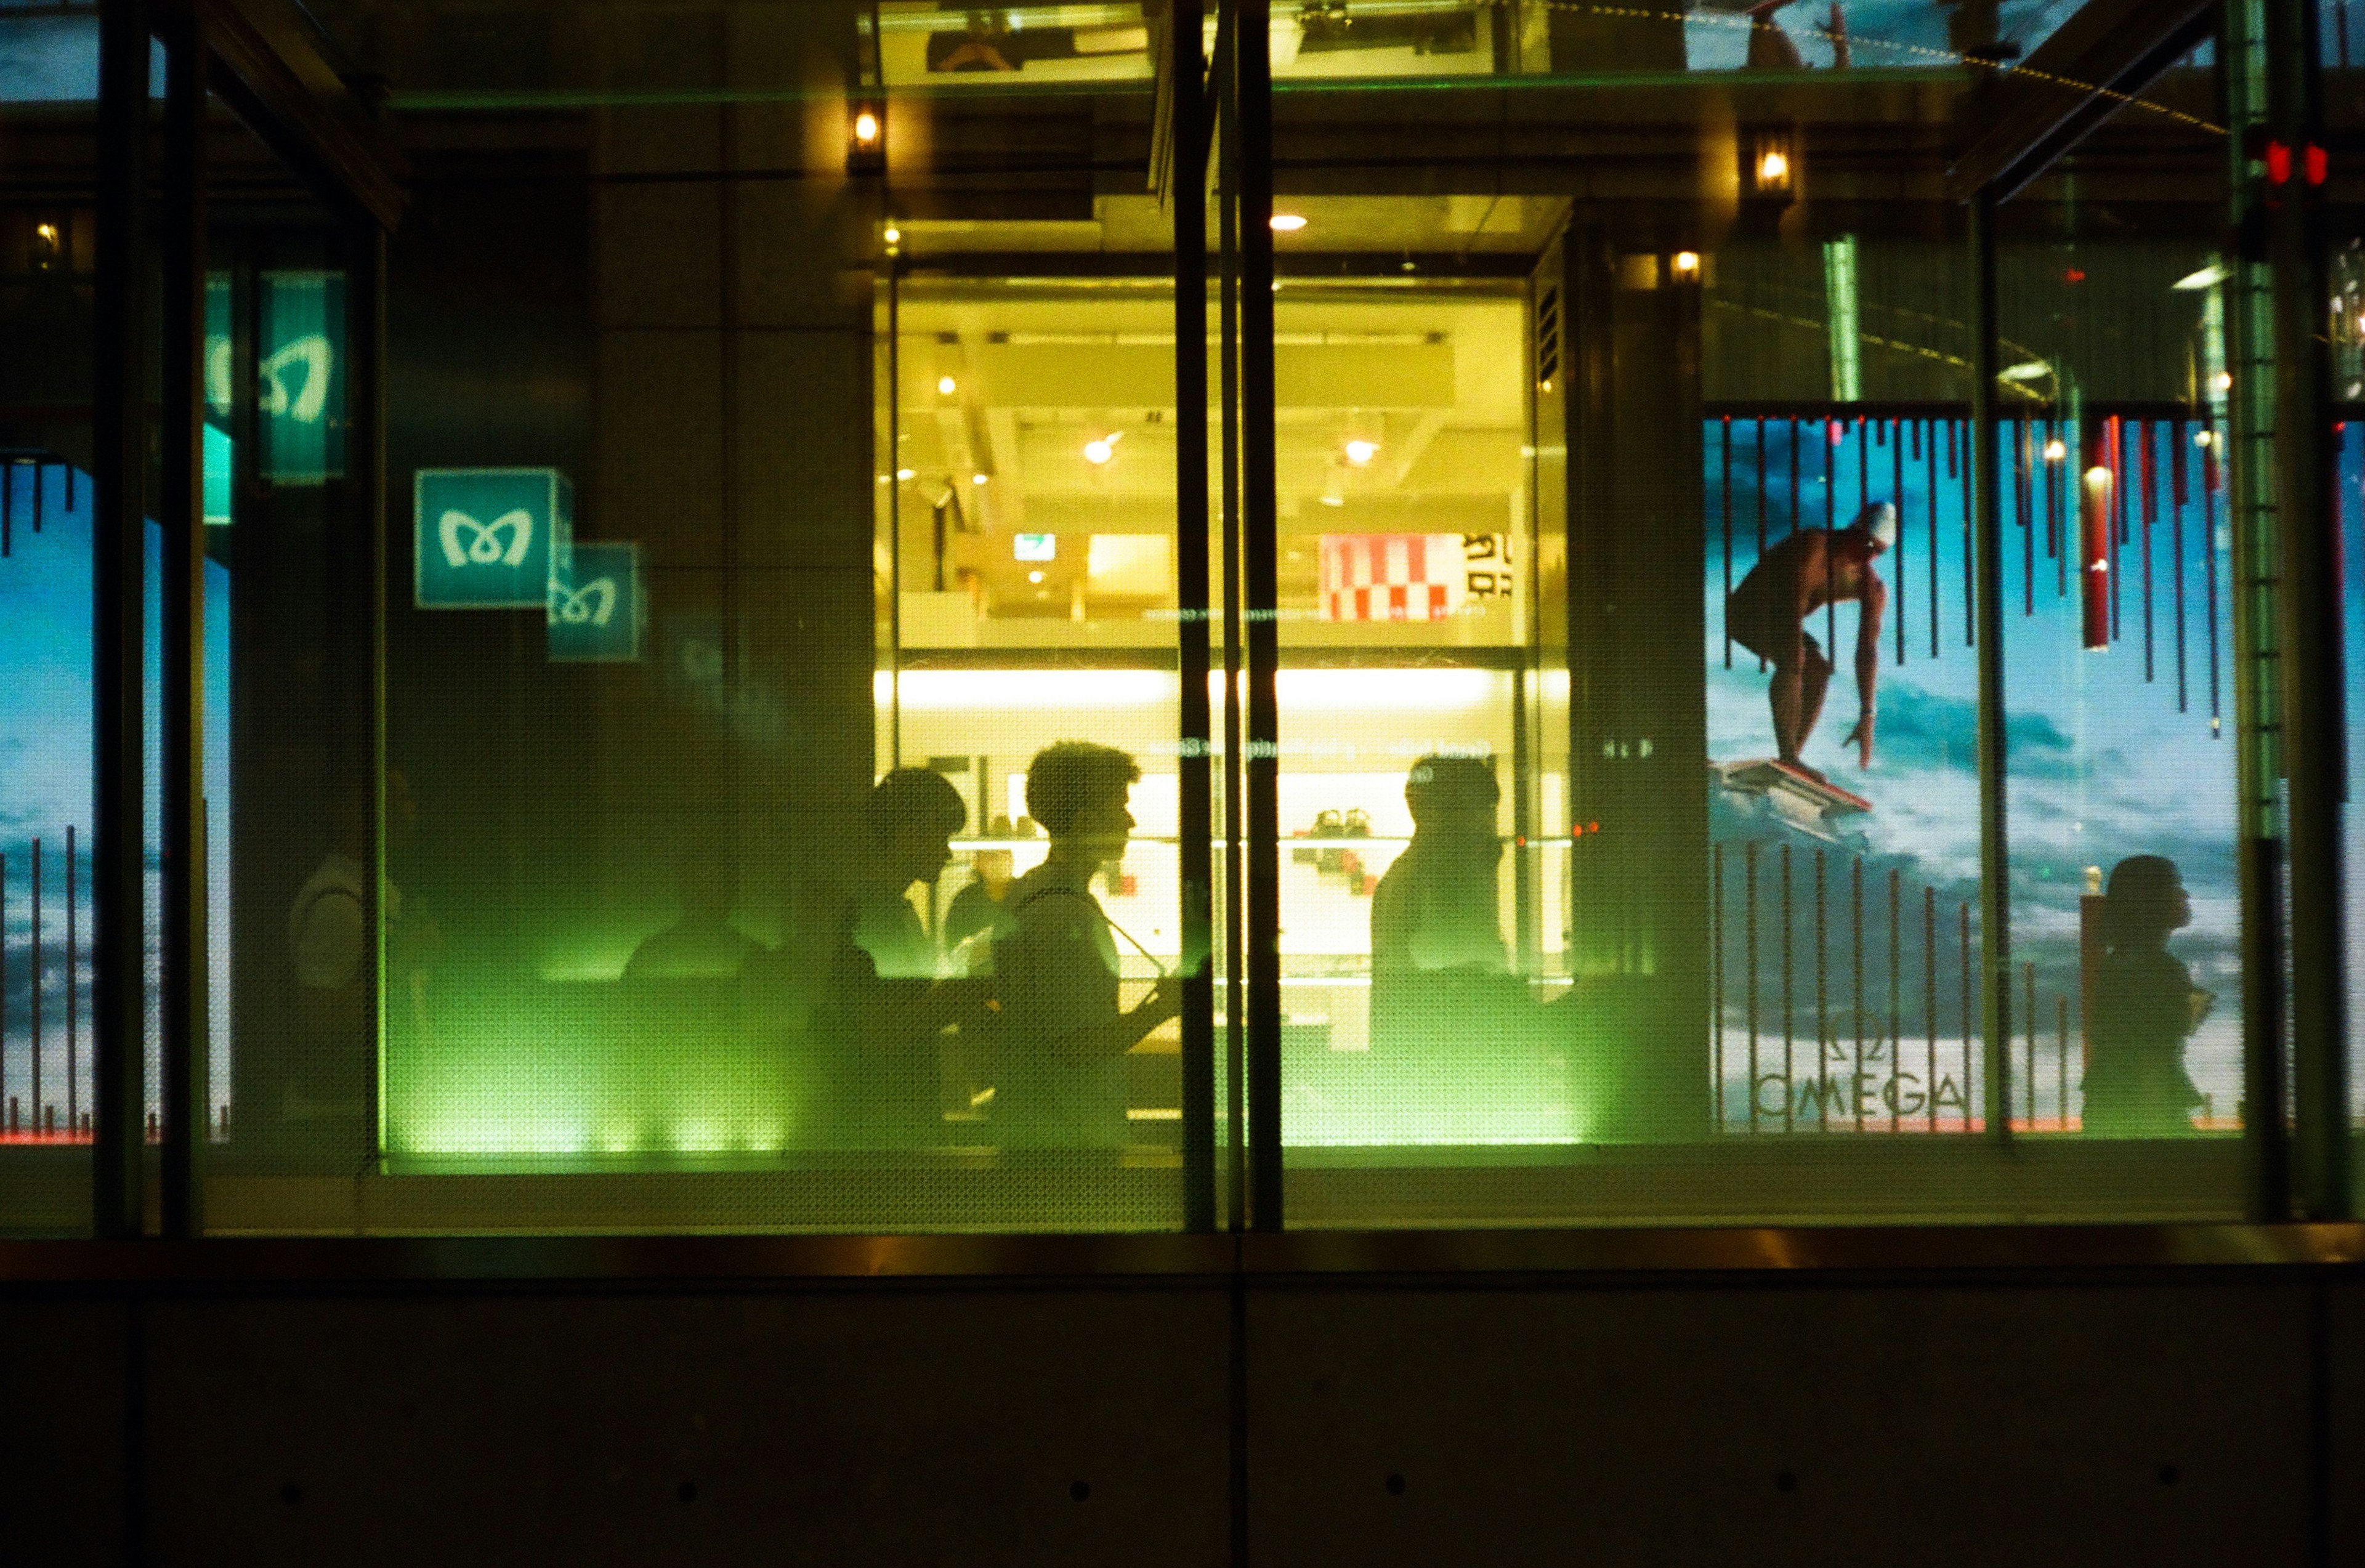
1796 793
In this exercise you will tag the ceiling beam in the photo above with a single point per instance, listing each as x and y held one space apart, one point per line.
2101 59
271 70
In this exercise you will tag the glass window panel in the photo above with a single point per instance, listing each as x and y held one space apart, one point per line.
780 467
48 262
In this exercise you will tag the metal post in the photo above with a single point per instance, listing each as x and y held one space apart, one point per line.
1995 863
2250 439
1716 975
1226 77
1820 1077
1856 1084
74 988
1789 1003
1260 564
39 979
1187 191
1930 1004
181 508
2309 601
1749 918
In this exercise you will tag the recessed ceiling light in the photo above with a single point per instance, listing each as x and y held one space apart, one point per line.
946 386
1287 222
905 473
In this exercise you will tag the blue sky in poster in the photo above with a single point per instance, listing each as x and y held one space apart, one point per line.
46 746
2103 764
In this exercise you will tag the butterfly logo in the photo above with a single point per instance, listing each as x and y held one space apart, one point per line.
467 542
593 604
312 354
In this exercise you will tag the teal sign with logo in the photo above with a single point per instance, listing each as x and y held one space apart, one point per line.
299 375
490 538
599 610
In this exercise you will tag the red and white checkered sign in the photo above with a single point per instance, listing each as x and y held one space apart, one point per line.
1392 577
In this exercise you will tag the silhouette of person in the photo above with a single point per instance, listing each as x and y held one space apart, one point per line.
334 955
1767 614
2144 1007
886 1005
702 944
1437 937
980 907
1060 1070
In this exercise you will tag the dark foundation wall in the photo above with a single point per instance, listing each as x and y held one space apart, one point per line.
1760 1419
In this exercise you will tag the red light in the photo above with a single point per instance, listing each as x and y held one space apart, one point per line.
2279 163
1838 431
2319 165
2075 275
1592 828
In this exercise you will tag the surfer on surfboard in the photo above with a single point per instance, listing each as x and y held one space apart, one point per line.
1811 570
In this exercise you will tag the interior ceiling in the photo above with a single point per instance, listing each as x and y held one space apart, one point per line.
1426 225
1061 399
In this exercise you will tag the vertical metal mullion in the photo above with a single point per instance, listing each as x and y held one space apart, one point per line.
1259 561
2315 743
1995 863
118 977
1187 187
1235 998
367 302
181 511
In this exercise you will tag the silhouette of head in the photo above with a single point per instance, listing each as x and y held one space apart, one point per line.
2146 901
1454 795
913 814
1077 790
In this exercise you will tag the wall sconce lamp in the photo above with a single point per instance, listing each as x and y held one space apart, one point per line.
865 137
48 245
1769 165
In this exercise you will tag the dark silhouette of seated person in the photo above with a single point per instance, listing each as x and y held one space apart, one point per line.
1439 966
880 1025
702 943
982 908
2145 1006
1808 572
1062 1032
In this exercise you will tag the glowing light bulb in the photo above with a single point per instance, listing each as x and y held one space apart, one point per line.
946 386
1035 577
2202 438
1334 500
894 236
1687 265
1287 222
904 472
1773 169
2098 477
866 128
1362 452
2224 381
2055 450
977 478
1101 451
